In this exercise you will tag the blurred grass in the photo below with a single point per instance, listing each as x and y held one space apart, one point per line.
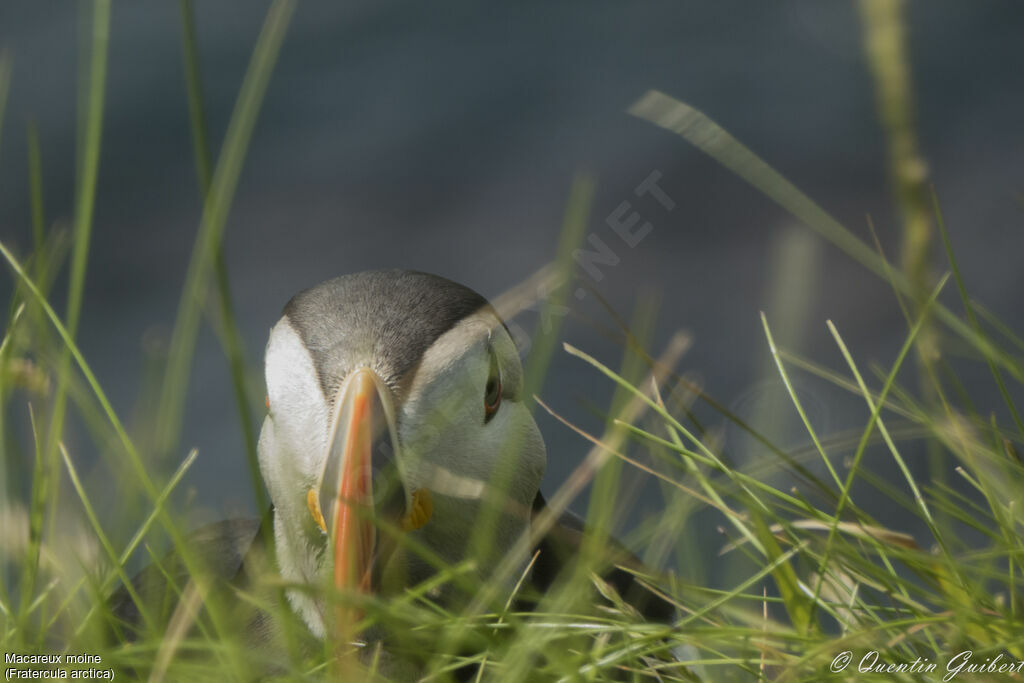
231 338
886 49
819 574
46 480
215 212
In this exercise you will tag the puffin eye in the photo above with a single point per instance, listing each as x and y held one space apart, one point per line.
492 391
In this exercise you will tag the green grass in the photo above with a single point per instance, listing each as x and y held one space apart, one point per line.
805 572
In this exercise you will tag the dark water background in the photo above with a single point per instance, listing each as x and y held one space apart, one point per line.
445 138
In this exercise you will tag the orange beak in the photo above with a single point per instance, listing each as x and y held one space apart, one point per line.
363 428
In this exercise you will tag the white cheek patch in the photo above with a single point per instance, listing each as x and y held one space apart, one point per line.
297 404
448 445
292 450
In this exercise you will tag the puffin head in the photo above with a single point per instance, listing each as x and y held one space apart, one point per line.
395 408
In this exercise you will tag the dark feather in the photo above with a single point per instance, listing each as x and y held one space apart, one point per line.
562 543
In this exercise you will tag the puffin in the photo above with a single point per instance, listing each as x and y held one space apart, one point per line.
398 440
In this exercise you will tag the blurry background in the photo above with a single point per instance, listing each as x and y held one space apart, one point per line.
397 134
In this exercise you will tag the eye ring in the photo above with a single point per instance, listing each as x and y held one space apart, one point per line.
492 390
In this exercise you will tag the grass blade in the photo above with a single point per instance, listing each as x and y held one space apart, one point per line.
796 401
